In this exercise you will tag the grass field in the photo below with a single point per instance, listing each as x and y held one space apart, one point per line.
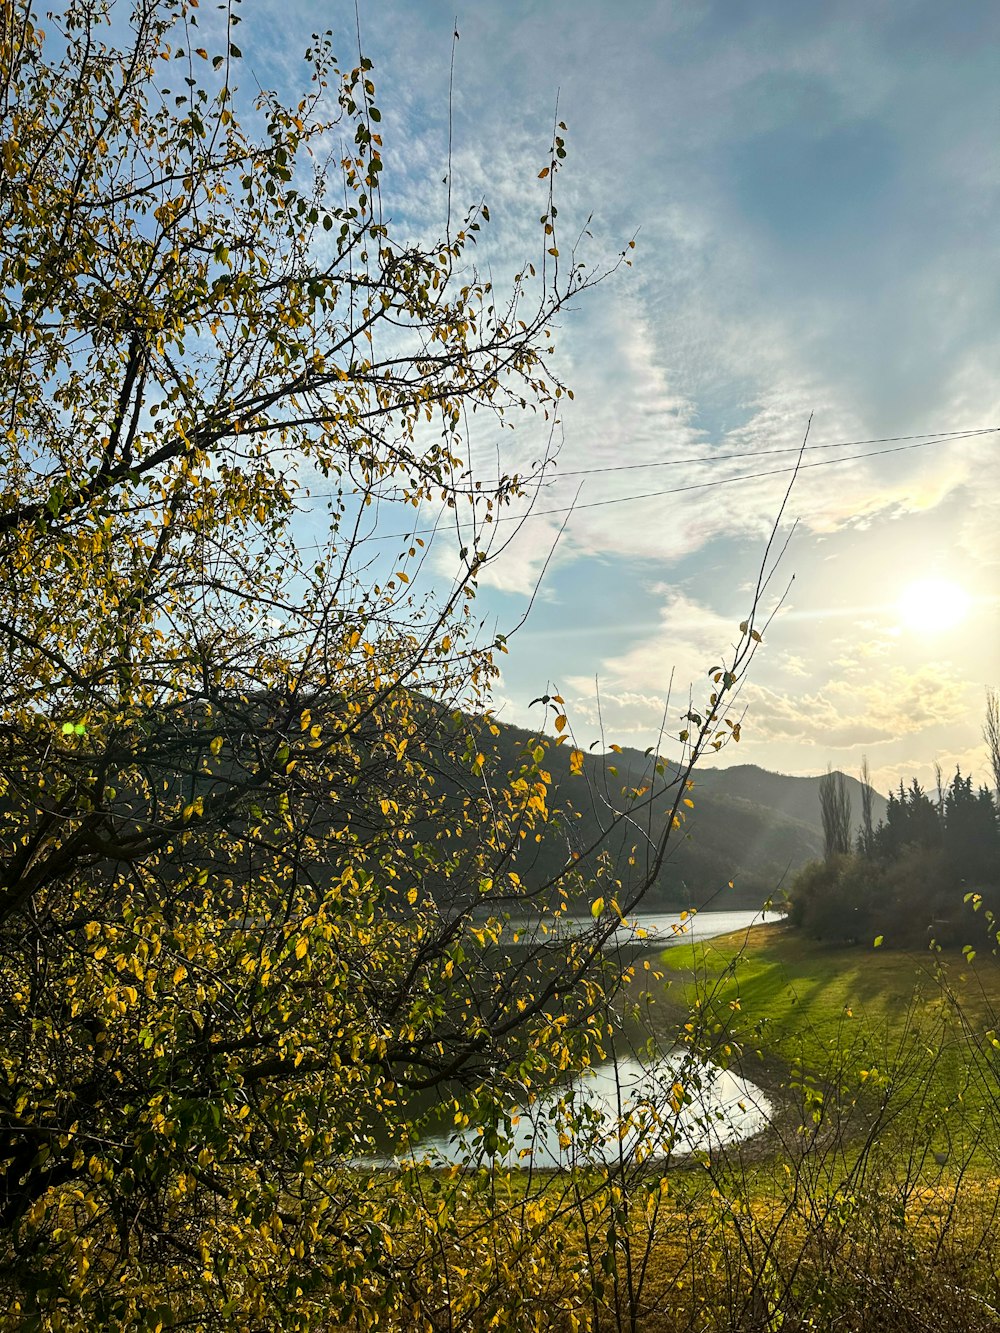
870 1205
910 1035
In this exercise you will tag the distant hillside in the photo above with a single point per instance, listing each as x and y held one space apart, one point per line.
796 798
747 825
744 824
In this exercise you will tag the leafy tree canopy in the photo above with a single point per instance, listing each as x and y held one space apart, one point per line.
244 914
912 875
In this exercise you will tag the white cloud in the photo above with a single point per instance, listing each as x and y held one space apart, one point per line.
689 639
846 714
886 777
626 716
793 665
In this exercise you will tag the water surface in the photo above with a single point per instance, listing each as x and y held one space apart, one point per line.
655 930
627 1109
650 1109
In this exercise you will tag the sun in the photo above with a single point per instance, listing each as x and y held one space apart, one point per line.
932 605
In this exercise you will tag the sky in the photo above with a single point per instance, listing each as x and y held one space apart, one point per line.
813 192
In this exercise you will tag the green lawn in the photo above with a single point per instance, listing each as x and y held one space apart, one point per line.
907 1035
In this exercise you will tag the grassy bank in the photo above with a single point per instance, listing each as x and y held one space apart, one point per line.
856 1036
870 1206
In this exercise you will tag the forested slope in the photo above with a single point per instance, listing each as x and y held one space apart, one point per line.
745 825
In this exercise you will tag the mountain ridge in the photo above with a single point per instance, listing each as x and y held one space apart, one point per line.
747 834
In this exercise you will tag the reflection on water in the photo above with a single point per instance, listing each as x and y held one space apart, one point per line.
672 1105
655 930
676 1104
665 929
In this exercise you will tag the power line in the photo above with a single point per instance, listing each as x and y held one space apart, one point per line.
930 437
726 481
927 437
923 442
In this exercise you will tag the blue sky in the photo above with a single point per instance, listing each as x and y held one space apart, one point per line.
815 191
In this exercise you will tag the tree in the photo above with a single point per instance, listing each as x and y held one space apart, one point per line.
991 735
970 834
912 820
253 884
867 835
835 810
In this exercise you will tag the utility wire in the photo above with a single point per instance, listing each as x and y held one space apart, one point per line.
923 442
724 481
930 437
927 437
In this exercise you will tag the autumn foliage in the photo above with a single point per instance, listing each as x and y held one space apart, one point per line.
253 879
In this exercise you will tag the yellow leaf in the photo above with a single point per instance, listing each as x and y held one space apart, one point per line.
301 947
597 908
576 761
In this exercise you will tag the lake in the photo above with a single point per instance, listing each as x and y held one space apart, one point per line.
649 930
668 929
623 1110
676 1104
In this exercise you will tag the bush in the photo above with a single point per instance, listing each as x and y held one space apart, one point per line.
837 900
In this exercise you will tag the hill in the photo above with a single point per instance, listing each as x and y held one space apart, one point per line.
794 797
747 826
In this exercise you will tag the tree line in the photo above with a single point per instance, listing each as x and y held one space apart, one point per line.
910 878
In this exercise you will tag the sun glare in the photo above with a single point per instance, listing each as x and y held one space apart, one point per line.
932 605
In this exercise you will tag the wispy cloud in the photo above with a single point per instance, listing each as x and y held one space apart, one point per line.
814 231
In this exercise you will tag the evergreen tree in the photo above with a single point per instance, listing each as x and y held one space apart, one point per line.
866 837
970 831
922 821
